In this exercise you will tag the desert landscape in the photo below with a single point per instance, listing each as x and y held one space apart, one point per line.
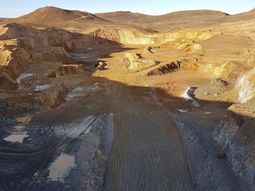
124 101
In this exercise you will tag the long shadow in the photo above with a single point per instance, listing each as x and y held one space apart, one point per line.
143 130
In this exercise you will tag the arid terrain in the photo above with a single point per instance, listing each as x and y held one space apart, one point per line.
124 101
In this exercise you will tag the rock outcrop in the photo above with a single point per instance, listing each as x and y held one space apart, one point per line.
22 45
235 138
136 62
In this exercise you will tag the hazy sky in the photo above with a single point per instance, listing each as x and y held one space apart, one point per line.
14 8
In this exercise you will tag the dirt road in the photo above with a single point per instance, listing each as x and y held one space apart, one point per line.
148 153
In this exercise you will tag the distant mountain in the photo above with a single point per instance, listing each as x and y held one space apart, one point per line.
169 21
87 22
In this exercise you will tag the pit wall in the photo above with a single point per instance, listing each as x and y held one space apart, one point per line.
136 37
23 45
235 137
128 37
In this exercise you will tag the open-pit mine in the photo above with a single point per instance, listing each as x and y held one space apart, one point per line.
123 101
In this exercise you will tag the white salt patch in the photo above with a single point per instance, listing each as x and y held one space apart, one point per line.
188 95
246 89
81 90
78 89
182 110
73 130
61 167
17 137
40 88
22 77
207 113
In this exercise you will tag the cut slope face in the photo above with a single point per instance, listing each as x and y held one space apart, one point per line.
21 46
134 36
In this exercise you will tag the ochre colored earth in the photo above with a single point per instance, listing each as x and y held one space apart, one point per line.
124 101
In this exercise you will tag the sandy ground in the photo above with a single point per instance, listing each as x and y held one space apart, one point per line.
120 131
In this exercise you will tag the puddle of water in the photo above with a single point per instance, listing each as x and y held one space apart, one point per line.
84 56
207 113
188 95
81 90
61 167
22 77
74 130
40 88
17 137
182 110
78 89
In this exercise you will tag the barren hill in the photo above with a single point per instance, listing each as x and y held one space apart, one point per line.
79 20
76 21
175 20
242 16
56 17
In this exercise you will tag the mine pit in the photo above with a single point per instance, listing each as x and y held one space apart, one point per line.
127 101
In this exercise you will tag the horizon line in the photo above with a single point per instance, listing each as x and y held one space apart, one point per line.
135 12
